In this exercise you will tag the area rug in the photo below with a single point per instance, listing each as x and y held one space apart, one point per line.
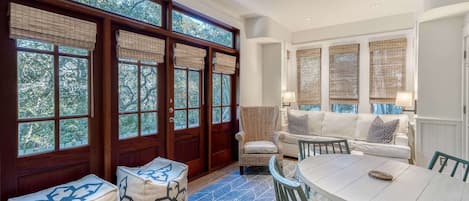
255 185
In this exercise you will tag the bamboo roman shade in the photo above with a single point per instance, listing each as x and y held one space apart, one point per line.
140 47
188 56
343 74
32 23
224 63
309 76
387 69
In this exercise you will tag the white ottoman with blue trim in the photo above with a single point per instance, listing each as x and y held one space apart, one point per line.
87 188
159 180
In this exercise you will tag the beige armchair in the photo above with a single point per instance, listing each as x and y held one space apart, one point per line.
257 141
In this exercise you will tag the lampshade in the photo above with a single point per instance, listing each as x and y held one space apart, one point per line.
288 97
404 99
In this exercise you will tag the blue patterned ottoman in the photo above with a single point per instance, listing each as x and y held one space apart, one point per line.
87 188
159 180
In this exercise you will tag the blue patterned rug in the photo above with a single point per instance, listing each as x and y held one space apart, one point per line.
255 185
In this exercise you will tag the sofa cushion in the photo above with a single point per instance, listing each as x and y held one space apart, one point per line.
315 122
298 123
315 119
293 139
260 147
403 122
363 125
339 125
384 150
381 132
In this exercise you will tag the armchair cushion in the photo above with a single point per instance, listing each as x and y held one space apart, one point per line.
260 147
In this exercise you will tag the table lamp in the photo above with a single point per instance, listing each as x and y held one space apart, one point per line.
288 97
405 99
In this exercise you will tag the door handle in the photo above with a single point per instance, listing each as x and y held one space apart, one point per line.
171 119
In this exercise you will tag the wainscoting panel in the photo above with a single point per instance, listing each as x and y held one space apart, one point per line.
436 134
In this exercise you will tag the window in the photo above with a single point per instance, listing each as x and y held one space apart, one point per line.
186 98
142 10
387 70
53 97
221 98
189 25
345 108
310 107
379 108
309 76
189 63
343 78
138 98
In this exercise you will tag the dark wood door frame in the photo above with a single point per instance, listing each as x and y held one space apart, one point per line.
196 138
102 156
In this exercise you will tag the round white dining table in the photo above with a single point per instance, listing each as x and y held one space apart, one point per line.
345 177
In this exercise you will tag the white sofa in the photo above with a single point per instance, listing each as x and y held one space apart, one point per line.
354 128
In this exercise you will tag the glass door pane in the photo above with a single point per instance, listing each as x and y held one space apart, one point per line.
186 98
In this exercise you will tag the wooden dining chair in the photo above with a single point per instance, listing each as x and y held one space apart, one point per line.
444 162
312 148
285 189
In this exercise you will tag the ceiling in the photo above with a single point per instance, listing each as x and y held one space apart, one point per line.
298 15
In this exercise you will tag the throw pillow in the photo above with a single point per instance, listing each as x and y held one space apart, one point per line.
298 123
381 132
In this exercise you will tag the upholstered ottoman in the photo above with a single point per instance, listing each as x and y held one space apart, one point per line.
89 187
159 180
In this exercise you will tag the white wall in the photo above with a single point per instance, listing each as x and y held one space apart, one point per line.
440 60
250 72
250 89
270 60
440 117
374 26
364 69
429 4
272 74
265 27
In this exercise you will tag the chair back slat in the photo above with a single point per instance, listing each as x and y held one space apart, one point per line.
438 156
322 147
454 169
443 166
259 123
466 173
285 189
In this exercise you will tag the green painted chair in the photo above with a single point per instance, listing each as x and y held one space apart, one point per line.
285 189
444 162
312 148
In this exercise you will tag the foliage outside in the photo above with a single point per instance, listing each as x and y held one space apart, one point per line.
37 102
142 10
130 103
186 24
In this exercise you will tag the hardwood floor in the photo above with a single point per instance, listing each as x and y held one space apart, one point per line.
211 178
202 182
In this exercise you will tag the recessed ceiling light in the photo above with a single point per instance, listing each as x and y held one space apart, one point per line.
308 19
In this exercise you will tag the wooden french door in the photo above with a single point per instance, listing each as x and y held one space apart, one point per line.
189 119
223 119
139 134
